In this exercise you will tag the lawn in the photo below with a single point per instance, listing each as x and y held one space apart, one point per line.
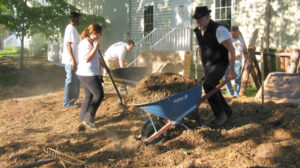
9 54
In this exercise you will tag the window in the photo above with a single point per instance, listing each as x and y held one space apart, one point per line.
223 12
148 19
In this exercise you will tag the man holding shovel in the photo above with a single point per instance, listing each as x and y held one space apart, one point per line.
216 53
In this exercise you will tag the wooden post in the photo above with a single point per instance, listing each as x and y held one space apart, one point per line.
266 64
282 64
248 66
286 63
256 67
262 65
187 63
196 62
256 80
294 61
272 60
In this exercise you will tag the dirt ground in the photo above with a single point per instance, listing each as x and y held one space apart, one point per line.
31 119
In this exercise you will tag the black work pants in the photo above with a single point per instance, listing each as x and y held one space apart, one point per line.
213 74
94 95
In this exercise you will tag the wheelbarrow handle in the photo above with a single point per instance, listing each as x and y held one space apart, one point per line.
111 78
210 93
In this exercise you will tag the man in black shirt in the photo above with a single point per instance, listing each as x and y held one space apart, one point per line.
216 52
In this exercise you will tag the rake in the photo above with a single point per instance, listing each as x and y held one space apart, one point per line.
56 156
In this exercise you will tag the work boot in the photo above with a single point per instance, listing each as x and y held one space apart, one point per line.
220 120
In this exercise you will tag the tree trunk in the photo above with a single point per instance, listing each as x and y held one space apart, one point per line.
22 51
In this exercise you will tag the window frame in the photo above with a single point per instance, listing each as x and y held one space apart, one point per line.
226 7
153 16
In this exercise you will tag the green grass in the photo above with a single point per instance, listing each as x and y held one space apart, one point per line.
9 54
251 91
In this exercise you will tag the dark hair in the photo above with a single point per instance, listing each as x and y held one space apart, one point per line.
234 28
74 15
131 42
92 28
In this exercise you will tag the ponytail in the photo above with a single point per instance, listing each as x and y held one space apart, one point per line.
84 34
92 28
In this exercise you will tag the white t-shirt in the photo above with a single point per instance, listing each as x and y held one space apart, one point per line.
222 34
116 51
84 68
238 47
71 35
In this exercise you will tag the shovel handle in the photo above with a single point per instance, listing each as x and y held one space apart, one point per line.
111 78
213 91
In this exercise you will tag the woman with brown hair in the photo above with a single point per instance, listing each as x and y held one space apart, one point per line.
88 74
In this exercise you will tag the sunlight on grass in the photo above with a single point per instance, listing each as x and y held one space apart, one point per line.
9 54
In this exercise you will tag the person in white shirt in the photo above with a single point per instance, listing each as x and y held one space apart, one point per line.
115 54
69 59
88 74
238 45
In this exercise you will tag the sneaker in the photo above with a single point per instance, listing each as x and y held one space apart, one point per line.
90 125
73 106
220 120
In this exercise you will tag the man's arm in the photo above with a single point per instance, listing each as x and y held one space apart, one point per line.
70 52
122 61
231 56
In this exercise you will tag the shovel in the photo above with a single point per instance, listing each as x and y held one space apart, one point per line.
112 80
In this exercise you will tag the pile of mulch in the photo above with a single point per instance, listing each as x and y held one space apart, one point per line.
159 86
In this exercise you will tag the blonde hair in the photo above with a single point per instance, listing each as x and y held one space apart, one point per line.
92 28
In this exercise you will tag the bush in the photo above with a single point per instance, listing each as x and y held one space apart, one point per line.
38 46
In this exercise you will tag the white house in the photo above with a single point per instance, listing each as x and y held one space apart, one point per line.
166 25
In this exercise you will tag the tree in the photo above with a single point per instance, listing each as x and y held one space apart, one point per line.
27 17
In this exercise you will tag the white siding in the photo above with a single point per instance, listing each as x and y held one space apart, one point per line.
162 16
284 22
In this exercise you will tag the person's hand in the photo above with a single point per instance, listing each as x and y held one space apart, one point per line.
231 74
96 44
108 70
74 65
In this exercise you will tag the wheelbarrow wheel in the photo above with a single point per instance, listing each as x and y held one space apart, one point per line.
148 130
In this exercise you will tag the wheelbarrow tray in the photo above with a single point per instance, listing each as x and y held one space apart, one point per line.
130 73
174 106
118 81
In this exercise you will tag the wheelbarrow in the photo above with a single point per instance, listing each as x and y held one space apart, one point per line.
129 76
173 109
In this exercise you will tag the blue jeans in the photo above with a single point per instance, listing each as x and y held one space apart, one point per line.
237 80
71 86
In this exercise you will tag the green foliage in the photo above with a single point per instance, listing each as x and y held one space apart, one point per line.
28 17
49 19
38 46
7 78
